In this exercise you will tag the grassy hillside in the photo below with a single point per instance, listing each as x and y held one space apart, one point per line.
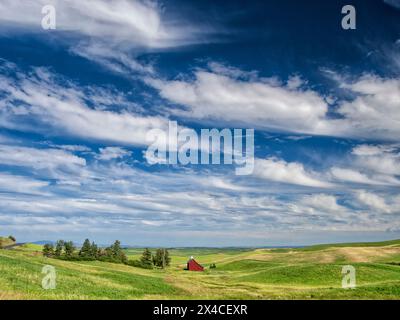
303 273
5 241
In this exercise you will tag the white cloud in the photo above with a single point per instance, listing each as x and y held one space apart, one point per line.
322 202
45 163
370 150
355 176
39 158
371 164
21 184
263 103
109 32
73 148
64 109
232 96
287 172
113 59
380 159
221 183
110 153
373 201
375 111
137 22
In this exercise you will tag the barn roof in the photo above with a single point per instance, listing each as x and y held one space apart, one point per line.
194 265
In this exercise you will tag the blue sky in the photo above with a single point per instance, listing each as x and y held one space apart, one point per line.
77 102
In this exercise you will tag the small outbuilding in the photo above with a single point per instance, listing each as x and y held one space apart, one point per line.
193 265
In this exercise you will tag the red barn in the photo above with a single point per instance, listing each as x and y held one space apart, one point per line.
192 265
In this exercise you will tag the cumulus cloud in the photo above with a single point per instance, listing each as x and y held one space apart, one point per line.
287 172
116 197
371 164
380 159
234 96
375 110
322 202
373 201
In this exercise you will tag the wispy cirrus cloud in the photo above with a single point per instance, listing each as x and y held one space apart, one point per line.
393 3
109 32
28 98
21 184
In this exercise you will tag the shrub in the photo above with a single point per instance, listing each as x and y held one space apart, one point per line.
48 250
139 264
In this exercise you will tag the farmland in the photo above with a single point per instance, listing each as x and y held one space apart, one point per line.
281 273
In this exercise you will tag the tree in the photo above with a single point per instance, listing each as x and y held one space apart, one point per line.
48 250
116 249
12 238
117 253
167 258
157 260
146 259
94 250
59 248
162 258
86 249
69 249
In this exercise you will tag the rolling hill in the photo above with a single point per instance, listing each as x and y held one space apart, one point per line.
282 273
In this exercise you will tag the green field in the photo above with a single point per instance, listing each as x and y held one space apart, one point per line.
5 242
302 273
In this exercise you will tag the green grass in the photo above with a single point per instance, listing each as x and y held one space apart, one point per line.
5 242
21 275
351 244
299 273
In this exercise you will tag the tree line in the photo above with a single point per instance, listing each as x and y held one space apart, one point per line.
66 250
89 251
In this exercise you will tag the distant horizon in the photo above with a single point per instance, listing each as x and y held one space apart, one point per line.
214 247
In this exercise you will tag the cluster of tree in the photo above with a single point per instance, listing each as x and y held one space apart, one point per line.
160 259
89 251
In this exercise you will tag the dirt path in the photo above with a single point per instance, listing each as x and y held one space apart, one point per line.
12 246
